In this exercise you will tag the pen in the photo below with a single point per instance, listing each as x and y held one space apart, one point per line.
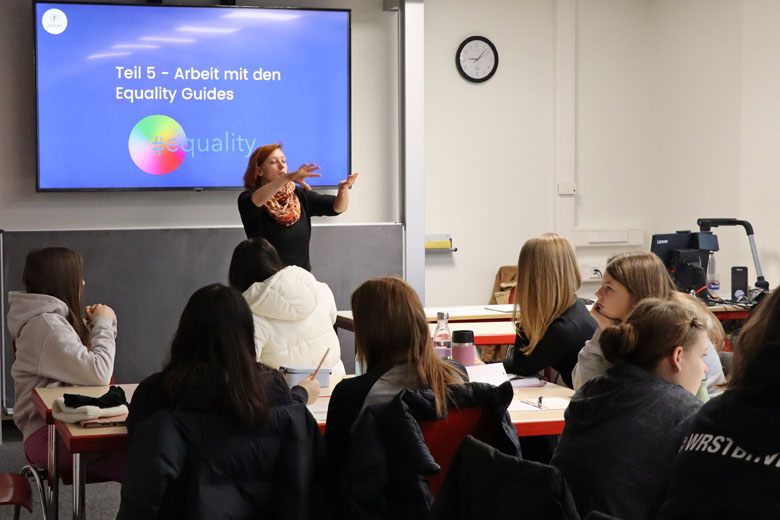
320 365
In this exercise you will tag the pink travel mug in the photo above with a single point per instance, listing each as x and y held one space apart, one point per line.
463 349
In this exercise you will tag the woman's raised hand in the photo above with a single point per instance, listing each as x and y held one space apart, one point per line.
305 171
99 309
348 182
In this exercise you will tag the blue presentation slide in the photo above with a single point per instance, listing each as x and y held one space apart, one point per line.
137 97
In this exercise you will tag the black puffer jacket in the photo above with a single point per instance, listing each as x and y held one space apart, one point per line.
195 461
386 462
483 483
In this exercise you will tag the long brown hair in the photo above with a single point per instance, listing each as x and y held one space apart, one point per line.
762 327
214 347
390 327
256 160
58 272
642 274
547 280
651 332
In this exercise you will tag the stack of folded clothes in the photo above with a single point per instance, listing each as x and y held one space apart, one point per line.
110 409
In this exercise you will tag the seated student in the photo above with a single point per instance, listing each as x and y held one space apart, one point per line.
58 343
629 278
735 438
716 337
393 344
206 432
623 428
293 312
377 454
552 323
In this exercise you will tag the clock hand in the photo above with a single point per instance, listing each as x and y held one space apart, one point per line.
478 57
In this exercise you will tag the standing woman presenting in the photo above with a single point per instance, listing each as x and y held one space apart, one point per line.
274 208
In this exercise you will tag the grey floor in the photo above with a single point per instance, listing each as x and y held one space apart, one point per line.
102 499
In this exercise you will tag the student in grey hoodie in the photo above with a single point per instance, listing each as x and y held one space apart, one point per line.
628 279
58 343
623 428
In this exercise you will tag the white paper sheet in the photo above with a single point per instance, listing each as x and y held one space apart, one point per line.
492 373
548 403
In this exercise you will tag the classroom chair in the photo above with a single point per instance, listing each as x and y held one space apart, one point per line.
443 437
15 490
503 292
482 482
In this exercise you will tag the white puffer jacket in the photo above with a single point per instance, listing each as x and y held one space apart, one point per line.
294 316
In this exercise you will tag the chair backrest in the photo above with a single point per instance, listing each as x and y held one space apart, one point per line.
15 490
443 437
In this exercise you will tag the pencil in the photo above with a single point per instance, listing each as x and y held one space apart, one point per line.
320 365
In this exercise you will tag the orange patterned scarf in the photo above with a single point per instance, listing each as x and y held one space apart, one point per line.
284 206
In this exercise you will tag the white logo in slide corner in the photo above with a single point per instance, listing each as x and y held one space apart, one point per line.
54 21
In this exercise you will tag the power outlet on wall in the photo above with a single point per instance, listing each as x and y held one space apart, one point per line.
591 273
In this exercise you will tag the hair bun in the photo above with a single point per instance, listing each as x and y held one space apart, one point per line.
618 342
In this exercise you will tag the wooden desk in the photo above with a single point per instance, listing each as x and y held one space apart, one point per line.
528 423
471 313
729 312
540 422
492 328
485 332
78 440
114 438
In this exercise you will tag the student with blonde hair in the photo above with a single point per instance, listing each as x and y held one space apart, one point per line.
552 324
737 434
623 428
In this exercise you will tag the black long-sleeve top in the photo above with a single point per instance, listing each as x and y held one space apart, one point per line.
558 348
292 242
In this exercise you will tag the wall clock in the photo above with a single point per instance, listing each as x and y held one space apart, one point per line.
476 59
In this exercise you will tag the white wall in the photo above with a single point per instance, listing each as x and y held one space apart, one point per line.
759 166
677 117
488 147
374 140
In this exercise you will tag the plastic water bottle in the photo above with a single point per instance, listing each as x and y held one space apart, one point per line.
442 338
713 280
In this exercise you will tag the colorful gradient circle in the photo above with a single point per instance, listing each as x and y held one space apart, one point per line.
156 144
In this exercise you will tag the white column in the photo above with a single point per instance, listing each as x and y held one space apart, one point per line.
411 139
565 117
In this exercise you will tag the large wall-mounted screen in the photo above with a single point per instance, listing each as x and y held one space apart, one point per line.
133 97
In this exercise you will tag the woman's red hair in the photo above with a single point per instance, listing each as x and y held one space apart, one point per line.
251 179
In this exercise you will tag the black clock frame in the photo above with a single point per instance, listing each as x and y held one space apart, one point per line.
457 59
